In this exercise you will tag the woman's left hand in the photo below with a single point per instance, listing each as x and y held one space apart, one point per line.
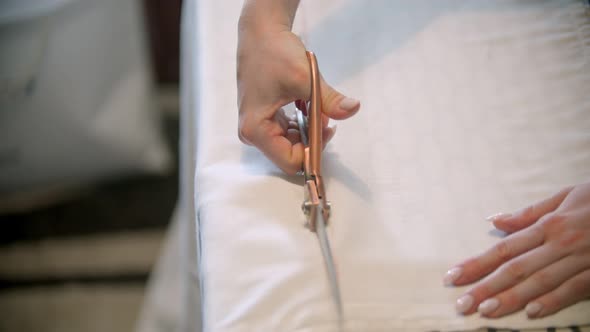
542 266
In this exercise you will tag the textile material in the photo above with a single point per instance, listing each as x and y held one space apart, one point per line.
468 108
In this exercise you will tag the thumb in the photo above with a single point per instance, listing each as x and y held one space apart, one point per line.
336 105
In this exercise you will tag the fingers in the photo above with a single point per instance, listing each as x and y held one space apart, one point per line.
570 292
335 105
283 119
293 136
543 266
514 245
281 150
275 139
541 282
275 135
511 223
327 134
291 126
510 274
280 140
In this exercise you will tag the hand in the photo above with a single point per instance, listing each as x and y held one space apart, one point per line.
542 266
273 71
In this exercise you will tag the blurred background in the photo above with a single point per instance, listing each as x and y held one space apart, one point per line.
89 116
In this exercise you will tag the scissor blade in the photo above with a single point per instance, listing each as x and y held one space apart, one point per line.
301 122
329 261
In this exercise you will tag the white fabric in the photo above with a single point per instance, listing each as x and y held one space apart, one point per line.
468 108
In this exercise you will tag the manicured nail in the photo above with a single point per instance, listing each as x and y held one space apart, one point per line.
498 216
334 127
452 275
349 104
488 306
331 134
464 303
533 309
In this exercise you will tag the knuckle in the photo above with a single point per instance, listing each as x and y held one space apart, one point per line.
503 251
329 94
331 99
241 137
529 212
297 76
245 130
516 271
550 303
563 193
571 239
512 299
579 286
537 233
481 292
473 269
553 223
290 169
543 280
581 257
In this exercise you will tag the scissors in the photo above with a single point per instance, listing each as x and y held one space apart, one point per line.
316 206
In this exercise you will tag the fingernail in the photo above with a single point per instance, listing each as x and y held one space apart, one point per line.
349 104
452 275
488 306
498 216
464 303
334 127
533 309
331 134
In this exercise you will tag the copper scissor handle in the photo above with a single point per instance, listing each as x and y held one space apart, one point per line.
315 204
311 133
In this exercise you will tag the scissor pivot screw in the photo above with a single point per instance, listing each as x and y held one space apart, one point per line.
328 208
306 208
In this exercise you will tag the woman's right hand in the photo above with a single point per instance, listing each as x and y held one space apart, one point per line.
272 71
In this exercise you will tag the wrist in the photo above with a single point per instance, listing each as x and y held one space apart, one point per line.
259 16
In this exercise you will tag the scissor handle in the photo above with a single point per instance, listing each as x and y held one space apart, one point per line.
315 199
314 117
